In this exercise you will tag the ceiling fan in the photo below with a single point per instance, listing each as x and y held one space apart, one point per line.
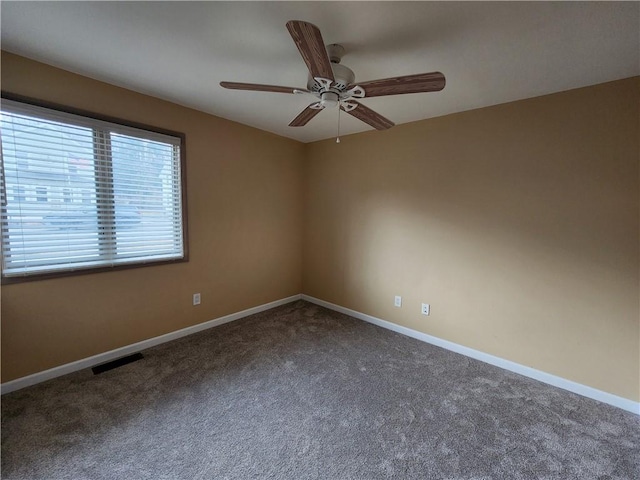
332 84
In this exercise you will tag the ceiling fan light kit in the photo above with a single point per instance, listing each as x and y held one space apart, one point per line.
332 84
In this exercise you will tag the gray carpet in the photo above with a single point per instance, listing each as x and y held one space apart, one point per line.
301 392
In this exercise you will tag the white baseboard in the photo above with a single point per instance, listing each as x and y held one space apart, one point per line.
88 362
544 377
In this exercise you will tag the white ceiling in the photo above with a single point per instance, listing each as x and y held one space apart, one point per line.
490 53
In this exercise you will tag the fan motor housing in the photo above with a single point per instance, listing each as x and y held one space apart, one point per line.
343 76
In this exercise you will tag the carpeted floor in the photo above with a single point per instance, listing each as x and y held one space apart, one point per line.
301 392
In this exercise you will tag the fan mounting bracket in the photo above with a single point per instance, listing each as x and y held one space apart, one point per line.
355 92
324 83
348 106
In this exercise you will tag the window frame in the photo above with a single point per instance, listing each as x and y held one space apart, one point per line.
4 95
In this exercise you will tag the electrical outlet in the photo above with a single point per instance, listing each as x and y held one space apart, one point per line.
398 301
426 309
196 299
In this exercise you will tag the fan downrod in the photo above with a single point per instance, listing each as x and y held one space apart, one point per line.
335 52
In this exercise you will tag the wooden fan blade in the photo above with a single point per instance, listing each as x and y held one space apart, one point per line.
304 117
308 39
421 82
367 115
256 87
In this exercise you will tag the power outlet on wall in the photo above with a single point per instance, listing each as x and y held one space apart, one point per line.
196 299
397 301
426 309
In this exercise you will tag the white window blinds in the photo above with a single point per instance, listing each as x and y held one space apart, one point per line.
80 193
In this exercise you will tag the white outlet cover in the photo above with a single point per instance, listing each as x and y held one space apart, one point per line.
196 299
398 301
426 309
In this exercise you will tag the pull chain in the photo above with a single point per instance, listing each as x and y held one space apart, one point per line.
338 134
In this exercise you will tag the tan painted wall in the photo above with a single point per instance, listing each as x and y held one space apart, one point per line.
244 206
517 223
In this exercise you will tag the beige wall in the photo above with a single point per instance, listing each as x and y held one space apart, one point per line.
244 206
517 223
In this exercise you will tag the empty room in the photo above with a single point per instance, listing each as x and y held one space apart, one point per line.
320 240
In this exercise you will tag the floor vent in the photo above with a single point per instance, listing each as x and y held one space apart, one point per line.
98 369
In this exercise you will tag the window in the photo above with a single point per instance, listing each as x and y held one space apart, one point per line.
18 194
81 193
41 194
